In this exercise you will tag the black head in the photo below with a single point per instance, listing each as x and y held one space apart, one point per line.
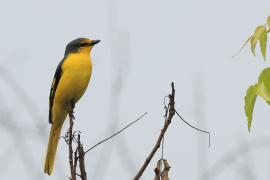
80 44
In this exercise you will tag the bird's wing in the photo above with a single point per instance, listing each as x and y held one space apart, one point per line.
56 79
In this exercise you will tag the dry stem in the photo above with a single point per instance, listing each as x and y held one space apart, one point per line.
165 173
157 171
81 159
163 130
70 150
79 153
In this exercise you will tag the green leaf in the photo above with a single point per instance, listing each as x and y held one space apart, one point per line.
253 44
265 74
242 47
256 36
263 42
265 78
250 99
262 91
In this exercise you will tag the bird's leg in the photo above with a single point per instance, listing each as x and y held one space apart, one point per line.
72 104
71 109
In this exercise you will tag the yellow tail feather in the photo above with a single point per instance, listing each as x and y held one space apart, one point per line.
51 151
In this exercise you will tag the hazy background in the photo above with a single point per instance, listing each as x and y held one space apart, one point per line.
144 46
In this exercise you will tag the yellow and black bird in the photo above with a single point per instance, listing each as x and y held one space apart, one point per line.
69 84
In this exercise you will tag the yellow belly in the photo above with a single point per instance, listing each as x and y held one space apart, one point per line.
76 73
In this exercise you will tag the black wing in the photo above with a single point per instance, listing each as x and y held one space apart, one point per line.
56 79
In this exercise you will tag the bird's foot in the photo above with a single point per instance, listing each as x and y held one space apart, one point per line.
71 109
72 104
71 114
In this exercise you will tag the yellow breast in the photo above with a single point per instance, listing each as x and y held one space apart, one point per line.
76 73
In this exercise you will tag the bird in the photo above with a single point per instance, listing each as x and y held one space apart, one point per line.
70 81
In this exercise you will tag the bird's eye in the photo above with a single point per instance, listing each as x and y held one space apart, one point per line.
83 44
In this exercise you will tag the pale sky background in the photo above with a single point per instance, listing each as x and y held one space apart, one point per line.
144 46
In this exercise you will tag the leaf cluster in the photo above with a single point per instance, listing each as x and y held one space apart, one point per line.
259 35
262 87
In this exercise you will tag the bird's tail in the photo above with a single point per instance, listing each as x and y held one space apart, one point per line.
52 146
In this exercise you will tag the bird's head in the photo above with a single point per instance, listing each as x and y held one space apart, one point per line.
80 45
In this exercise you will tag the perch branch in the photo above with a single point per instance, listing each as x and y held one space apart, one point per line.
70 138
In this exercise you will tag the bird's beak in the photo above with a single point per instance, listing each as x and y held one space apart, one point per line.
93 42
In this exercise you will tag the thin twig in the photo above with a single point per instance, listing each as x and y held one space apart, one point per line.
114 134
162 151
163 139
75 161
207 132
163 130
81 159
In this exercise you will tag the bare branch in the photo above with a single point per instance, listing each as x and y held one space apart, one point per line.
157 170
81 159
75 161
163 130
70 139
